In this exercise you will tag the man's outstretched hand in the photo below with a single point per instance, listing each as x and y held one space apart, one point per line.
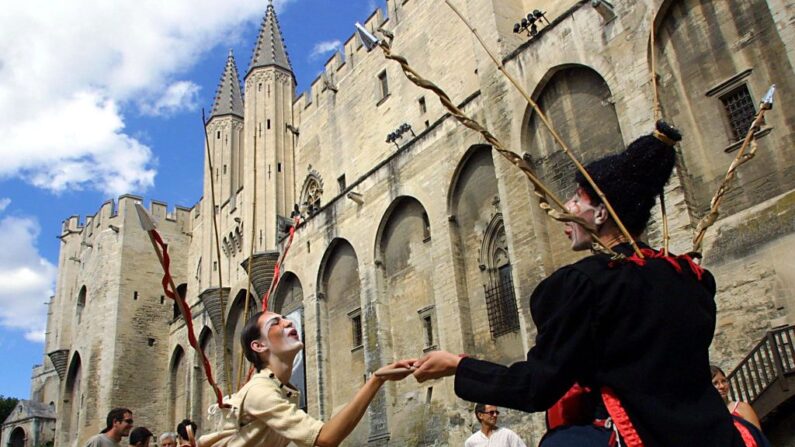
435 365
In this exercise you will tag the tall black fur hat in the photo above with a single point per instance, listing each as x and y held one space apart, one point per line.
631 180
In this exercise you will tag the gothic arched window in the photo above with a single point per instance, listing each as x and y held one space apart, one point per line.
311 193
498 278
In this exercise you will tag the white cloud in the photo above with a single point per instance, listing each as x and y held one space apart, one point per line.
4 202
70 71
179 96
27 278
325 47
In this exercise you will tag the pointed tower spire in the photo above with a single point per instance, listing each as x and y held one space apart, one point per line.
228 100
270 49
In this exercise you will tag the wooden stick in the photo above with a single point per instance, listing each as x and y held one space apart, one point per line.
543 194
227 371
552 131
250 262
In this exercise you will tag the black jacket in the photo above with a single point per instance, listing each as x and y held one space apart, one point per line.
643 331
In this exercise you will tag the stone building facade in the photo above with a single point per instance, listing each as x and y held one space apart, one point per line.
431 240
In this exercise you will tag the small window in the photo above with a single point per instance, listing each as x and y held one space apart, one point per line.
357 338
215 266
218 135
427 326
341 183
423 108
268 124
135 295
224 169
259 87
278 167
740 111
384 84
427 318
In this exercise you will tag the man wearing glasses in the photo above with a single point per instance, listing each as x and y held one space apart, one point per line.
489 434
119 423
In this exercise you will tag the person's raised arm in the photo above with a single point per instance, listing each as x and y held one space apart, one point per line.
342 424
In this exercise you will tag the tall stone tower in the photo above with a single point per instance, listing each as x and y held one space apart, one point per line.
269 137
225 141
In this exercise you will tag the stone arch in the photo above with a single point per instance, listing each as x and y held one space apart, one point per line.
405 261
204 396
710 54
72 401
474 202
81 303
288 300
176 385
235 321
17 438
339 287
578 102
288 296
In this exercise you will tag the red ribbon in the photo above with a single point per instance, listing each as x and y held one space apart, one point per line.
277 268
648 253
186 314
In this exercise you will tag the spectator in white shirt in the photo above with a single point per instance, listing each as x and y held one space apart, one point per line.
490 435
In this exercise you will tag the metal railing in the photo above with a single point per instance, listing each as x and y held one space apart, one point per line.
768 364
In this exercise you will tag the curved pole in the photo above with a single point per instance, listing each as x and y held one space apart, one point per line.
542 192
227 372
553 132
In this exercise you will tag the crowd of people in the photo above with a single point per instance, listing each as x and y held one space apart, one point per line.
620 355
120 424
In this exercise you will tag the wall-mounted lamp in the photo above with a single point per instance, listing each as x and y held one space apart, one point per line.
397 134
530 23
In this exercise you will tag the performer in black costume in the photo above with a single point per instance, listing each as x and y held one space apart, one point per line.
634 331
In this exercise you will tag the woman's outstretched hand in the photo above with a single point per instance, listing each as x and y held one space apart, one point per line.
396 371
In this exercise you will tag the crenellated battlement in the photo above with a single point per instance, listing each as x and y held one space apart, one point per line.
340 64
113 214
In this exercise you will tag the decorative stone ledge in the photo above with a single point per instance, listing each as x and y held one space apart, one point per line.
261 270
58 359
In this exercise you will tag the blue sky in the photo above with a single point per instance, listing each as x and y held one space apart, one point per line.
99 100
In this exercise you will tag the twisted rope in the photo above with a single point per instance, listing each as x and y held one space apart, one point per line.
555 136
740 159
541 192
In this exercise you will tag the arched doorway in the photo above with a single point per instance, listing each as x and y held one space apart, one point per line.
579 103
17 438
288 300
474 201
177 392
339 286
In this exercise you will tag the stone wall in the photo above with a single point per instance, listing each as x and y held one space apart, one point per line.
408 235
